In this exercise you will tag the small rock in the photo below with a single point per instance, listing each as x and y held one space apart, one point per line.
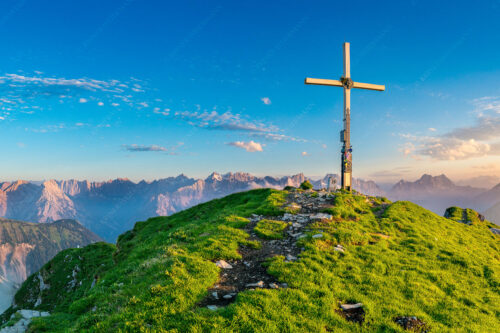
259 284
321 216
294 206
317 236
284 285
347 307
215 295
273 285
212 307
223 264
339 248
228 296
289 257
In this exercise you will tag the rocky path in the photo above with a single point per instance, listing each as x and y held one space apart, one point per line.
249 272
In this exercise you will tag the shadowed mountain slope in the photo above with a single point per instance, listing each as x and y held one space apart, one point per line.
25 247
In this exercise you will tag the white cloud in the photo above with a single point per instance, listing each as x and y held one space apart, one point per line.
477 140
304 153
432 129
266 100
83 100
250 146
100 103
453 149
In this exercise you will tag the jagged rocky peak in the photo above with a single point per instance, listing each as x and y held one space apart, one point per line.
74 187
426 182
9 187
440 181
213 177
239 176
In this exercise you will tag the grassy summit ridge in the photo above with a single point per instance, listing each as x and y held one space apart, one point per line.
399 260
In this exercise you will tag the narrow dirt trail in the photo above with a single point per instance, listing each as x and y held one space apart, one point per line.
249 272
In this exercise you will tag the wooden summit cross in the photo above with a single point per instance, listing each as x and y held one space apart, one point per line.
345 135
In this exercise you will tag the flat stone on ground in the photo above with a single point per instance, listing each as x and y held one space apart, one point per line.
321 216
347 307
223 264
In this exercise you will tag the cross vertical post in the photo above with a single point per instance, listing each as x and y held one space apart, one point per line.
346 153
345 135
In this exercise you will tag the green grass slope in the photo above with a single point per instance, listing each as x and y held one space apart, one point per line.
399 260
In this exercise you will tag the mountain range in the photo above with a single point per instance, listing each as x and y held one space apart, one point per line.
111 207
25 247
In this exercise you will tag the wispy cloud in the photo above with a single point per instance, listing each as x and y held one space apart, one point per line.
228 121
142 148
248 146
223 121
392 173
27 93
277 137
16 80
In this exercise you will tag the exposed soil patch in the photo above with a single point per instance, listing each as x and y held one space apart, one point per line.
356 314
412 324
249 272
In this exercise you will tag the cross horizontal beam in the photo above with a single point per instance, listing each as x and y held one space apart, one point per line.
323 82
368 86
337 83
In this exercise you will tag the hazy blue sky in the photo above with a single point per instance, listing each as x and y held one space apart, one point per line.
149 89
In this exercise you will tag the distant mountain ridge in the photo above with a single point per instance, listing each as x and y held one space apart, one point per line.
436 193
108 208
111 207
25 247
